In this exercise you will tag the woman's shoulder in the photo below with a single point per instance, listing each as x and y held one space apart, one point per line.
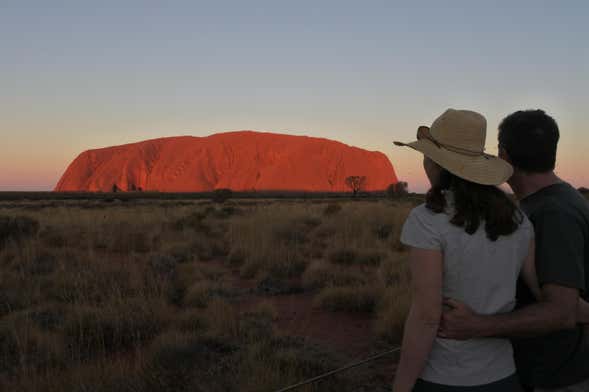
421 216
422 229
423 213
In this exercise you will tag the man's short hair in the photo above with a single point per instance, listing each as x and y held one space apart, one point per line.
530 137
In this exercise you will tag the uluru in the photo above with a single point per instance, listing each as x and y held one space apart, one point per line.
240 161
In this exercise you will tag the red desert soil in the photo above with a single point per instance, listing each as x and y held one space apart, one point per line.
346 333
241 161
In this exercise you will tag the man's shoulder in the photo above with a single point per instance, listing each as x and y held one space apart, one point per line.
564 201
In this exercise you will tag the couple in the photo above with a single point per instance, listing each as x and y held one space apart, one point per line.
498 291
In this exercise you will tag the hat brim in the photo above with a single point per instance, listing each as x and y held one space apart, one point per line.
481 169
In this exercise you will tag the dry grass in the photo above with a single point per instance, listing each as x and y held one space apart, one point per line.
349 298
142 297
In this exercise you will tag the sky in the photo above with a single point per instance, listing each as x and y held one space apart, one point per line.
77 75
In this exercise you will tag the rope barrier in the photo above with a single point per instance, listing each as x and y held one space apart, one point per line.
332 372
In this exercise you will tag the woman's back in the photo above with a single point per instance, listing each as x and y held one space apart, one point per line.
482 274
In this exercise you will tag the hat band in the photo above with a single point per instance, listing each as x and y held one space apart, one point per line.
424 133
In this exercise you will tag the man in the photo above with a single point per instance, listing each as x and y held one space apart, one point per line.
551 347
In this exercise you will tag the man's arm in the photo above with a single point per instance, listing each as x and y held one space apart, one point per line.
557 310
560 259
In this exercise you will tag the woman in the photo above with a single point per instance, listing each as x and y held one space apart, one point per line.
468 242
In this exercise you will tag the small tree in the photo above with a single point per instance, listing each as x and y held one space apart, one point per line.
356 183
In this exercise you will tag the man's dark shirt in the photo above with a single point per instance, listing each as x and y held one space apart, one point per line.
560 215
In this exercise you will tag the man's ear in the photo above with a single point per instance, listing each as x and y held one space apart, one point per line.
504 155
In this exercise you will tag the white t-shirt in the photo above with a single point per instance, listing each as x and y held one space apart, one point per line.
482 274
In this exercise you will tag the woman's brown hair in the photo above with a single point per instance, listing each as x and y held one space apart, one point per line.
474 204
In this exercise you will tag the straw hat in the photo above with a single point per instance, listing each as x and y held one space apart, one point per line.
456 142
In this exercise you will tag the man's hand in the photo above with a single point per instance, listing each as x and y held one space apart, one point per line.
458 321
556 311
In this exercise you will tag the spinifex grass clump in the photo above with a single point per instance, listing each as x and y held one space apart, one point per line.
271 241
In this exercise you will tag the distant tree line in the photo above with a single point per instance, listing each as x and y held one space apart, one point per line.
131 188
357 184
398 189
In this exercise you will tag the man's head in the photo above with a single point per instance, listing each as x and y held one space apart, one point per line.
528 139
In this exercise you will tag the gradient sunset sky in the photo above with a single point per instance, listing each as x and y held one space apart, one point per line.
76 75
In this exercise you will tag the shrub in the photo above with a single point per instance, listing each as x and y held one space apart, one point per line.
369 257
343 256
198 294
394 270
191 321
310 222
23 344
237 256
392 312
221 195
49 317
226 212
275 264
17 228
180 361
162 265
292 234
42 264
271 242
271 285
332 209
52 238
181 254
208 248
132 241
321 274
264 309
212 271
398 189
14 293
254 327
194 221
274 362
382 231
90 281
93 331
222 319
348 298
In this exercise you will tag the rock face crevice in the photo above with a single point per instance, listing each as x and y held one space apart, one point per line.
241 161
